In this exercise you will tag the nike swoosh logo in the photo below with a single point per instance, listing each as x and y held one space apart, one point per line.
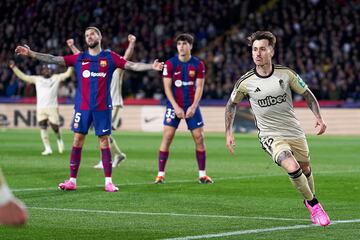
147 120
177 73
199 123
105 130
84 63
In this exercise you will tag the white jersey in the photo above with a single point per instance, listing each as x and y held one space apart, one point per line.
46 88
116 86
271 101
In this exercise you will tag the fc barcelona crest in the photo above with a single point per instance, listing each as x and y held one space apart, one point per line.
192 73
103 63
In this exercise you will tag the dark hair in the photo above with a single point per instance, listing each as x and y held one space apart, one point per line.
185 37
259 35
94 28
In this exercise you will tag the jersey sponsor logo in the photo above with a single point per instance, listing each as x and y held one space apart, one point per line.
103 63
179 83
87 74
270 100
192 73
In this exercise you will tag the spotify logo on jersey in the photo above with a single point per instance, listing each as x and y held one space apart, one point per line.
86 74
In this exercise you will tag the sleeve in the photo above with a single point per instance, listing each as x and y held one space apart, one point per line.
296 83
63 76
23 76
201 70
239 92
118 60
168 72
70 60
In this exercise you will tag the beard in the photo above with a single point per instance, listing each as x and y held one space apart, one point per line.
93 45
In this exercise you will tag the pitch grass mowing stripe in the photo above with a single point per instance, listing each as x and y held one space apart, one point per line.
261 230
184 181
163 214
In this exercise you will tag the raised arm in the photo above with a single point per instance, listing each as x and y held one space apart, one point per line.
48 58
130 49
65 75
71 45
20 74
315 108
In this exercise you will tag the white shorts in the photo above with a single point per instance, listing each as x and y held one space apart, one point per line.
51 114
298 147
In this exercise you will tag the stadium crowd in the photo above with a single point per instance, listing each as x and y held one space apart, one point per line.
317 38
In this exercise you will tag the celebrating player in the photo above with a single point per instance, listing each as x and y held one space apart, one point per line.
47 110
269 89
12 211
183 78
93 103
117 100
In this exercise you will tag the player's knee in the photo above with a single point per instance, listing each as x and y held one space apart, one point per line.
104 142
43 124
78 141
295 174
286 158
305 167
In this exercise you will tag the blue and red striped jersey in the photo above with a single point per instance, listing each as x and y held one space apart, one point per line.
184 75
94 75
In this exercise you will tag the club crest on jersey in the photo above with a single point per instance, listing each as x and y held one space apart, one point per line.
192 73
281 82
103 63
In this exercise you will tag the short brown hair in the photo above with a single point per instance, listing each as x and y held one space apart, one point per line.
259 35
94 28
185 37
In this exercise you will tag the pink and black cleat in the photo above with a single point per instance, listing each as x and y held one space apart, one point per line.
318 214
67 186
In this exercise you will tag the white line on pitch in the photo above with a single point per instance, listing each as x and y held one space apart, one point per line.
260 230
184 181
164 214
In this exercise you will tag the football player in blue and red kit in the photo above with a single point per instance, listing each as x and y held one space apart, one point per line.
93 103
183 79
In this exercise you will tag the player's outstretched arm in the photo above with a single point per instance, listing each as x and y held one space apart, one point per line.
48 58
315 108
20 74
139 67
230 111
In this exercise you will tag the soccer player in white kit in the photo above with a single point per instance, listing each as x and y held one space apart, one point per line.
269 89
47 110
117 99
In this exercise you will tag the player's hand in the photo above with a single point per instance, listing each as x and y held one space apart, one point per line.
230 143
23 50
11 64
322 124
179 112
190 112
13 213
131 38
70 42
158 66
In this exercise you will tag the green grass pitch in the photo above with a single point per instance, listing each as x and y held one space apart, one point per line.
251 198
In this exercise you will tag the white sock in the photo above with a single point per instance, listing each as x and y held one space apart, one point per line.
108 180
202 173
45 138
73 180
161 174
